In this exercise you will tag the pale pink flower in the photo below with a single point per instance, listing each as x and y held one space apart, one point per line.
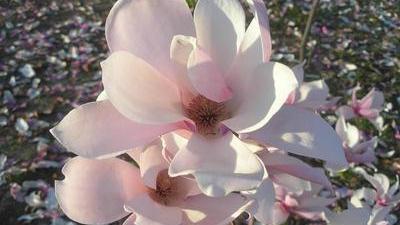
368 107
382 197
306 204
356 149
284 171
209 76
103 191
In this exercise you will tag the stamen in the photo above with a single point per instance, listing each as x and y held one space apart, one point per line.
206 114
166 189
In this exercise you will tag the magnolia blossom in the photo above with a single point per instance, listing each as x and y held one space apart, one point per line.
103 191
356 150
368 107
309 95
383 197
291 173
208 75
306 204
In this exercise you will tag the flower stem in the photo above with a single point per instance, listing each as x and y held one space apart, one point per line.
308 28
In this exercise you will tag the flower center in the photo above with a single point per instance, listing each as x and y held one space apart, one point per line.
166 192
206 114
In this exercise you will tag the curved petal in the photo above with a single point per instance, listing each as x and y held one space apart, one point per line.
259 96
347 132
250 53
206 77
97 129
220 165
265 198
379 181
220 27
135 26
139 92
203 210
94 191
148 212
151 163
312 95
373 100
173 142
304 133
379 214
346 111
295 167
261 15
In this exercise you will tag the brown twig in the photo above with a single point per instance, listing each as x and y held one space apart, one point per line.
308 28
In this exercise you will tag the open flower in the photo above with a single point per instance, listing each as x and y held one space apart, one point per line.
368 107
356 150
103 191
306 204
174 73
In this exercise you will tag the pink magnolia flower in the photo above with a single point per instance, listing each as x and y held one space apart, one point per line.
306 204
284 171
383 197
383 194
172 74
356 150
309 95
103 191
368 107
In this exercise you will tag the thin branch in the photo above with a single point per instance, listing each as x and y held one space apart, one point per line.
308 28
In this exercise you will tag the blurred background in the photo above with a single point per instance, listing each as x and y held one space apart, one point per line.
50 52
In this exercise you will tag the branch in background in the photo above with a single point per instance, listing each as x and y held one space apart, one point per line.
308 28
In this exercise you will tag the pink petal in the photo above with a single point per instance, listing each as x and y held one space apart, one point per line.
181 48
94 191
220 26
304 133
265 199
139 92
347 132
295 167
132 26
374 100
148 212
346 111
312 95
203 210
206 77
97 129
259 96
369 113
151 163
220 165
250 53
261 15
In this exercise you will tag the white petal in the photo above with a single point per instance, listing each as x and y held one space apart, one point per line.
259 96
139 92
220 27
